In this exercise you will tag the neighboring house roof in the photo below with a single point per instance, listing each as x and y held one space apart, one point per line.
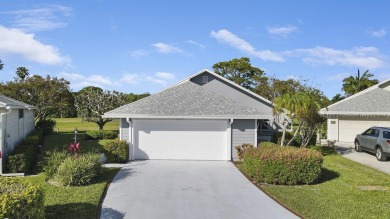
187 99
373 101
9 103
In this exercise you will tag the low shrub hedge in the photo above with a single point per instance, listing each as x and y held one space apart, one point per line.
100 134
78 170
20 199
47 125
23 157
282 165
116 151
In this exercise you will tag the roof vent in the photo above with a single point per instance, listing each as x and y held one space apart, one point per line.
205 79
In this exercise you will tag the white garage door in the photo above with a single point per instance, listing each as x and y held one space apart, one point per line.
348 129
180 139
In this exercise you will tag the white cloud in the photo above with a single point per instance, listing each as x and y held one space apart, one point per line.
165 75
338 77
79 81
40 19
234 41
196 44
380 33
131 79
14 41
166 48
282 31
365 57
138 53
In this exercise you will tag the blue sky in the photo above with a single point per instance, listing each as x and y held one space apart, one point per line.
144 46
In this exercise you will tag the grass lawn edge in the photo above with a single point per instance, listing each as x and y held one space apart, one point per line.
99 209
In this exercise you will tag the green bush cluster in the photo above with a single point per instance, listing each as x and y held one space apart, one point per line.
47 125
23 157
78 170
20 199
51 162
116 151
282 165
100 134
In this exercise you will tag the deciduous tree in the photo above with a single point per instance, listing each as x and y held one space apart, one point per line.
92 102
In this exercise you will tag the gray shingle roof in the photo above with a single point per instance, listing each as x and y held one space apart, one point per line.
185 99
372 101
12 103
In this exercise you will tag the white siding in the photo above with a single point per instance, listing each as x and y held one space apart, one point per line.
333 129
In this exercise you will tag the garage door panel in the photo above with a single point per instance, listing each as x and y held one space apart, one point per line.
348 128
180 139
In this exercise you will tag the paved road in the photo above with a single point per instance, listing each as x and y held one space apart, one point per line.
348 151
186 189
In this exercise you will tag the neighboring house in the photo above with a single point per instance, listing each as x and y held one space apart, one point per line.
355 114
16 122
200 118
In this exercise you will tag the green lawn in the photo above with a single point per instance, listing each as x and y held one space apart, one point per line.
346 190
69 124
74 202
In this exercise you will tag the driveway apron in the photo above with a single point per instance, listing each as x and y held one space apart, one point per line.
186 189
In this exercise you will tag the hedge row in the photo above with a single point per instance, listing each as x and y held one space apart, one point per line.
116 151
100 134
273 164
20 199
23 157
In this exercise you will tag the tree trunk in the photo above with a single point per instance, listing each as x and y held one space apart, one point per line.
101 125
295 135
284 134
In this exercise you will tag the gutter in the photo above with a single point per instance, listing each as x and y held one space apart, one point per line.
2 137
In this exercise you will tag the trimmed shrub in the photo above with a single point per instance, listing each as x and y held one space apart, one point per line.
282 165
47 125
78 170
22 158
100 134
52 161
324 150
116 151
240 149
20 199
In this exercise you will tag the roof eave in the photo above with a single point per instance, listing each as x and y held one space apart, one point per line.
117 116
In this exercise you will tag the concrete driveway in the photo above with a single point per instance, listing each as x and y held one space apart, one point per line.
347 150
186 189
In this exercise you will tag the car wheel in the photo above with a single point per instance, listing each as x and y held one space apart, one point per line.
379 154
357 146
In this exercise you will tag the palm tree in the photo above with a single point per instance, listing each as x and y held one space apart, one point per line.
353 85
1 65
303 106
22 72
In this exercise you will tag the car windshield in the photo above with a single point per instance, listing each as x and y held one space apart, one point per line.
386 134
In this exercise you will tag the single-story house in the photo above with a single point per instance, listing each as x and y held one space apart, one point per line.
202 117
16 122
355 114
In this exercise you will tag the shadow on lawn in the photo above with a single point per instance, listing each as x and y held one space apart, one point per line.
71 210
327 175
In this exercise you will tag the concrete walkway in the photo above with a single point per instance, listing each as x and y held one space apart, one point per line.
347 150
186 189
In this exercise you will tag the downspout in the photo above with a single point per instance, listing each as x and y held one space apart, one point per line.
231 139
3 138
130 138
